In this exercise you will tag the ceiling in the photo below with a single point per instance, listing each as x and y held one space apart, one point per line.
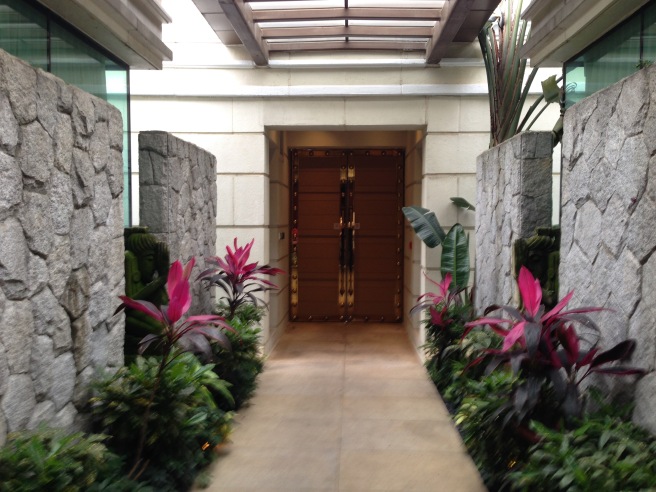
266 27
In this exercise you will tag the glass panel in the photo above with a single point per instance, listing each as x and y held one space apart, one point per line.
117 94
604 63
649 35
77 63
23 32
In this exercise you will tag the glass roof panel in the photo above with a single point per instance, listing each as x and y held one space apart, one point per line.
322 23
391 23
417 4
297 4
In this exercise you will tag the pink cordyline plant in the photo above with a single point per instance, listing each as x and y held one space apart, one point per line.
527 324
191 333
438 304
545 347
238 278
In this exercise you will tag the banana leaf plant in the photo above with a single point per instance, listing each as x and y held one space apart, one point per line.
455 243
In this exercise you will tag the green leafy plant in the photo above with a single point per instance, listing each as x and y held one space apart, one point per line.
238 279
458 368
455 243
182 419
176 335
495 448
241 365
601 453
54 459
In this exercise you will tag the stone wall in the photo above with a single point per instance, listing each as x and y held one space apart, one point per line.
609 215
513 198
61 245
177 201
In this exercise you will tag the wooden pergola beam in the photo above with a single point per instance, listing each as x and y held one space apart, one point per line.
454 14
241 18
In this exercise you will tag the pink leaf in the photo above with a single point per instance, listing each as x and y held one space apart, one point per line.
513 336
558 307
174 278
145 307
188 268
179 300
530 290
444 285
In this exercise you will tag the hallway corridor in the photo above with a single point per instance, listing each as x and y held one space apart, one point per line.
344 407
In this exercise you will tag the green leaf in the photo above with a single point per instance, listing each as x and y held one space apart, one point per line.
462 203
455 256
425 224
550 89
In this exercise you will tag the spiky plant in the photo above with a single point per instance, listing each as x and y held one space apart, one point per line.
501 41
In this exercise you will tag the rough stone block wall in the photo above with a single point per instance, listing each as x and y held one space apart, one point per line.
513 198
177 202
61 245
609 216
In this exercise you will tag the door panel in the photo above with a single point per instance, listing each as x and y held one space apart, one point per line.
376 204
346 236
316 208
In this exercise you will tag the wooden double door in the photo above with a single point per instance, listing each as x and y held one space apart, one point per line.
346 239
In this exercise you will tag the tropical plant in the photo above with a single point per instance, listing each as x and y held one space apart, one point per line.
458 369
455 243
238 279
601 453
447 314
501 41
545 349
177 334
241 365
182 419
495 448
54 459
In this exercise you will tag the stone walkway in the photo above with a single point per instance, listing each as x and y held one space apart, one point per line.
344 408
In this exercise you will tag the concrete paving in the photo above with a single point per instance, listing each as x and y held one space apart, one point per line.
344 407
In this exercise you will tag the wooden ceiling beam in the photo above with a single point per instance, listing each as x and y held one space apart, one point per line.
240 16
454 14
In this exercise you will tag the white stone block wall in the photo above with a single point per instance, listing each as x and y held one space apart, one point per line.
608 219
61 246
513 198
178 203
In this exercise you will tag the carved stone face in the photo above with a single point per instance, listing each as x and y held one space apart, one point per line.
147 264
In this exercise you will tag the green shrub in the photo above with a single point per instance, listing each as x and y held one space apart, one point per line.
183 422
241 365
494 443
55 460
458 368
602 453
